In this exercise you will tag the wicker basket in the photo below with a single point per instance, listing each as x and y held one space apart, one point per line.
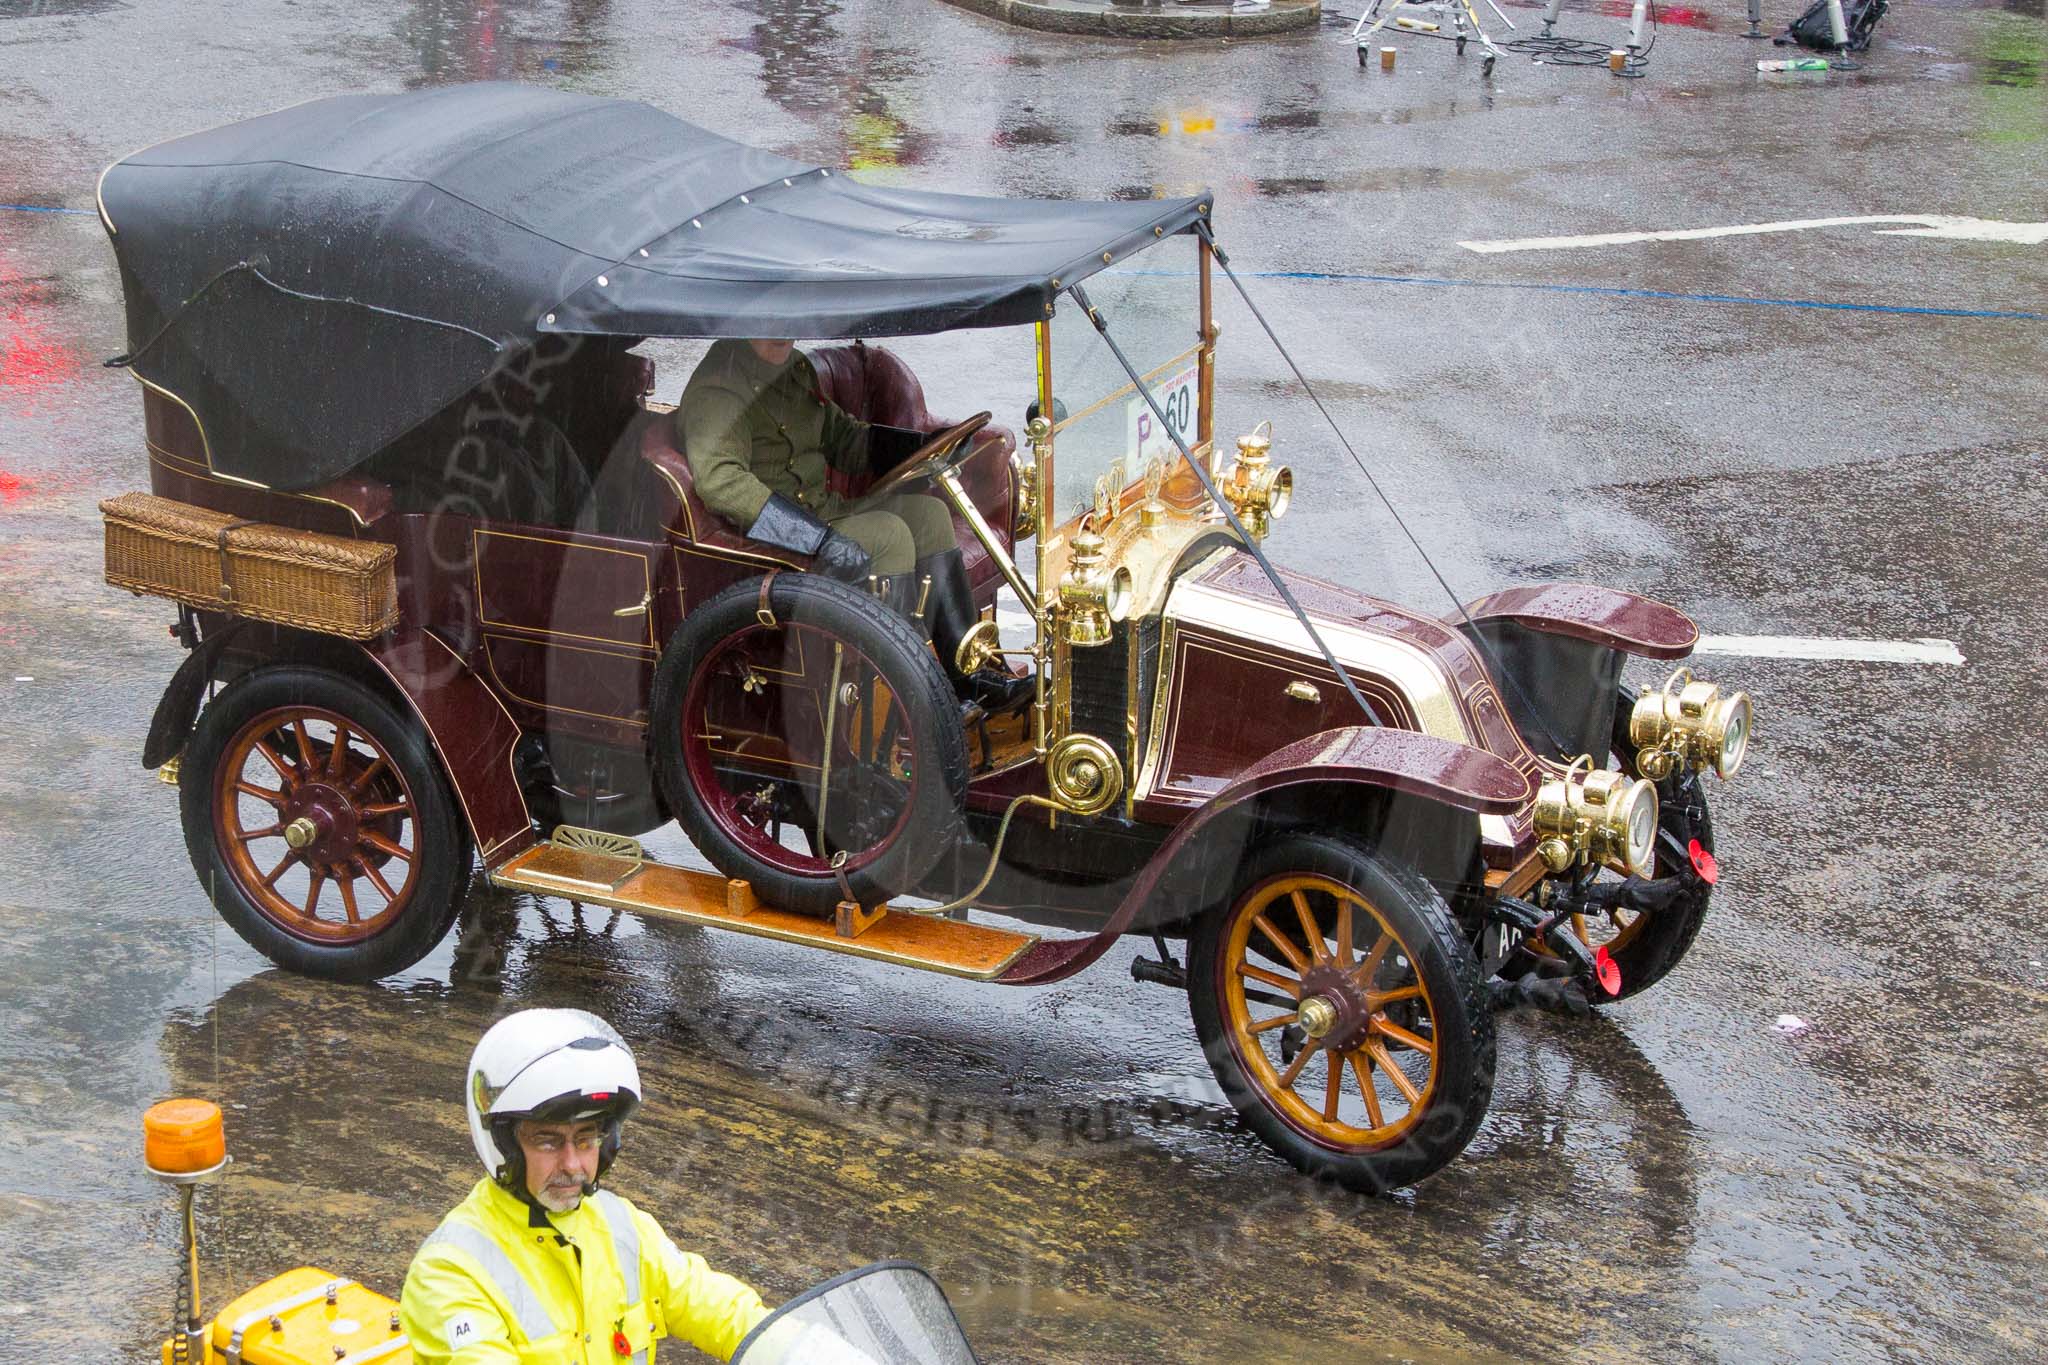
218 562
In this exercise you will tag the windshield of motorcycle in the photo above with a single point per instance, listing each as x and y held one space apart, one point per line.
890 1313
1103 428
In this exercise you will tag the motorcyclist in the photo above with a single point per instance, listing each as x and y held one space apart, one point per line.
540 1262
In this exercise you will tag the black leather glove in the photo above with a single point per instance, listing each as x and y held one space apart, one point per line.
787 526
841 557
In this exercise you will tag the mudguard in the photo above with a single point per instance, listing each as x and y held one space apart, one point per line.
1556 651
1602 616
471 730
1405 761
170 727
468 726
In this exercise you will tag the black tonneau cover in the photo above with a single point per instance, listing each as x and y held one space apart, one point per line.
316 282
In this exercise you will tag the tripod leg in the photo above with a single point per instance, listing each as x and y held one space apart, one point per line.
1756 18
1550 16
1492 52
1838 28
1378 24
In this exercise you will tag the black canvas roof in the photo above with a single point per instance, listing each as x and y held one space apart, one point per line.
316 282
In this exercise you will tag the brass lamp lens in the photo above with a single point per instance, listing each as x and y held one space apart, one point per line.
1641 811
1735 724
1118 595
1282 494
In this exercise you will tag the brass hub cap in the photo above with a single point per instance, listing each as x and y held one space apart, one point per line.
1344 999
1317 1016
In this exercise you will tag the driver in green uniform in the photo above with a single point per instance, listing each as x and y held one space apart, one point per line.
764 444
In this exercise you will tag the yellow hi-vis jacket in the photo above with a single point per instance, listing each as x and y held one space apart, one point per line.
501 1282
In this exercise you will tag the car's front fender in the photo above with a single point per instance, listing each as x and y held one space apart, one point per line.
1416 774
1555 650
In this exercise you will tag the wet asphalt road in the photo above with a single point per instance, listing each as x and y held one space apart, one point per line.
1674 1180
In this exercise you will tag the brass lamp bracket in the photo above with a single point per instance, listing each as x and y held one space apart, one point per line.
1256 488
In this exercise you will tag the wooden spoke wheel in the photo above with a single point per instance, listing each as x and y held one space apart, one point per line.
1343 1013
320 821
299 810
823 744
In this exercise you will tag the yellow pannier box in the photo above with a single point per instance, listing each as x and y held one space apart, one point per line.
306 1317
217 562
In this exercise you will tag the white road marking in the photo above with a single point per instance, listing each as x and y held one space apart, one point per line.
1920 651
1942 225
1016 626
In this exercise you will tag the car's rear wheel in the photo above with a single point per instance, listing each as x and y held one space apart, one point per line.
1343 1014
318 820
819 728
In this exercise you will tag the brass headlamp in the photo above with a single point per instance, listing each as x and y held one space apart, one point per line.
1093 597
1597 814
1688 722
1257 489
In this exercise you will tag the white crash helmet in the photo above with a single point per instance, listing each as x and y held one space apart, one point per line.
557 1066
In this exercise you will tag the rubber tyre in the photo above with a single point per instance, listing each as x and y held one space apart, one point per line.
443 844
904 661
1682 816
1464 1023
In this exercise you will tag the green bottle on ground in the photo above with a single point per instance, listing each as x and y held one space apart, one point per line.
1795 64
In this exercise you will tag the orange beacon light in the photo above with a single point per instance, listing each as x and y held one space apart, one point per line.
182 1144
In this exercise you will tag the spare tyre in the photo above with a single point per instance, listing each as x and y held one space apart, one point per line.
797 720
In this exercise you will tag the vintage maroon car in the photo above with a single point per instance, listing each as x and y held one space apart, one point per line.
450 595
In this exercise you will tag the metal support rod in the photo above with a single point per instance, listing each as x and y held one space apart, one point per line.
1499 671
949 484
831 716
1636 19
1756 18
1838 27
1550 16
195 1330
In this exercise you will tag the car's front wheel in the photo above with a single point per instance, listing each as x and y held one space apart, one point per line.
318 821
1343 1014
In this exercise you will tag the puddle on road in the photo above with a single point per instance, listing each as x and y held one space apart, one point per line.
534 40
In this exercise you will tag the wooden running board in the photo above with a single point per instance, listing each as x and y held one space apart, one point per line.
623 882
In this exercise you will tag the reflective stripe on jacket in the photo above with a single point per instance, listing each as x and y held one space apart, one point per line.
489 1287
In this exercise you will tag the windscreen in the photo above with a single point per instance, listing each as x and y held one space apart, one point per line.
1155 315
892 1313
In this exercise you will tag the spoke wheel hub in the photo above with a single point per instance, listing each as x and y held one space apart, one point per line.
1343 1005
325 819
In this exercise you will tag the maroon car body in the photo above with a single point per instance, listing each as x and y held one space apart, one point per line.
1369 818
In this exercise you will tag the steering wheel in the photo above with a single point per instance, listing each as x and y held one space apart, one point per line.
931 456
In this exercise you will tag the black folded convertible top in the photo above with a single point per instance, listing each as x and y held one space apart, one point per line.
316 282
